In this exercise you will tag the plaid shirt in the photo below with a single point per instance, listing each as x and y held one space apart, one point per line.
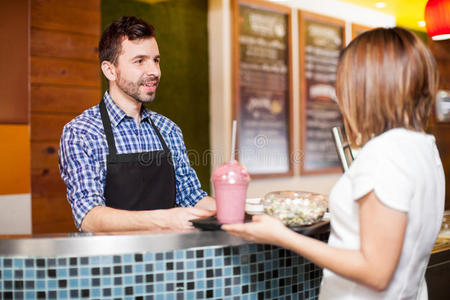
83 150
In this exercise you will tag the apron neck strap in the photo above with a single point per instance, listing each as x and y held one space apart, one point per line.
163 143
107 127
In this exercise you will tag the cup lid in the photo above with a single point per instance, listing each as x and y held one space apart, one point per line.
231 172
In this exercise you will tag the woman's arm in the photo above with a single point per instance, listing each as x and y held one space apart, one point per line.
382 230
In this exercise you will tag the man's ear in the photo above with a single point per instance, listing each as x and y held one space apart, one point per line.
109 70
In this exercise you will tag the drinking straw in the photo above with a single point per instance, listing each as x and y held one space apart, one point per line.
233 141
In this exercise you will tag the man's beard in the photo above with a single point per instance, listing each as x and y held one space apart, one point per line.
132 88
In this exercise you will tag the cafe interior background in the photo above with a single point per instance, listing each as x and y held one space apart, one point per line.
50 73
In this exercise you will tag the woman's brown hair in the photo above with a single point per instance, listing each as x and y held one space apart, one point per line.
386 78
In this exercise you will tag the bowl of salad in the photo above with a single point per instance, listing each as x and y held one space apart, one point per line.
295 208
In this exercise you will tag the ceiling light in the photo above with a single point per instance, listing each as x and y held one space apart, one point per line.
380 4
437 18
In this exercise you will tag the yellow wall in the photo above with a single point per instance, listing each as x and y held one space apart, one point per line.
15 159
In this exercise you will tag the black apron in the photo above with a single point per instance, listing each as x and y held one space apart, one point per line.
138 181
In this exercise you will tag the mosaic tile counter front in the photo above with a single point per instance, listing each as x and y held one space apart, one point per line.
231 269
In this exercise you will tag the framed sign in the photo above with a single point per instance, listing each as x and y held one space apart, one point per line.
321 40
262 86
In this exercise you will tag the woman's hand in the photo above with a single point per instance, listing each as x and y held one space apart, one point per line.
264 229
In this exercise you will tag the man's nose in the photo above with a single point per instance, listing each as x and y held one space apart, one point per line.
153 68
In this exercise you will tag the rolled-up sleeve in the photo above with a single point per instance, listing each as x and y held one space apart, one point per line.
81 172
188 187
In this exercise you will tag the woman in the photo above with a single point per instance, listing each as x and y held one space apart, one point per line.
386 210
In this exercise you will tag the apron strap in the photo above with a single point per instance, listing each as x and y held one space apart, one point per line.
107 127
163 143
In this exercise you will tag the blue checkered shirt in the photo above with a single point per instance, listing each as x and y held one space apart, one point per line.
83 149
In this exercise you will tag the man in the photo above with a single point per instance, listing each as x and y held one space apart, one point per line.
125 167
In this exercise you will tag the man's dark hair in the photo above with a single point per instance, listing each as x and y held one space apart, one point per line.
131 28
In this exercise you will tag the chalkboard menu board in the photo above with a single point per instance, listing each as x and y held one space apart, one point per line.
321 40
262 87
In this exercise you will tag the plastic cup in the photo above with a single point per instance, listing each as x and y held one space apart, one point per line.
230 182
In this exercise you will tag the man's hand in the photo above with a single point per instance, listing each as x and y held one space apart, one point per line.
179 217
107 219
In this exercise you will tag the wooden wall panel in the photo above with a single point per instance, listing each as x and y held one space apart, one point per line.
14 62
58 99
62 44
54 215
65 80
45 154
48 127
67 16
64 72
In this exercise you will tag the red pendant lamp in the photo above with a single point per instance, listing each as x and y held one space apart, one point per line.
437 19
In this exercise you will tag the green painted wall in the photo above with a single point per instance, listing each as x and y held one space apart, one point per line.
183 93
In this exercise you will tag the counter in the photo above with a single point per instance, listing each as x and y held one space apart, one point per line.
184 265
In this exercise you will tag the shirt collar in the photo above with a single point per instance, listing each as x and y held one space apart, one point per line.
116 114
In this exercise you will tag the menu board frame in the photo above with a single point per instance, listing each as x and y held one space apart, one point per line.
358 29
302 17
236 84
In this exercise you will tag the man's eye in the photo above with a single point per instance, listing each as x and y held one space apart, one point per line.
139 61
156 60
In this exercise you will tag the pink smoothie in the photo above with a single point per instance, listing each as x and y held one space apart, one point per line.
230 182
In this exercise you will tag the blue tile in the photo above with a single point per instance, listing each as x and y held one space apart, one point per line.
7 274
128 280
159 287
170 276
105 281
200 274
138 290
95 293
218 293
218 283
179 254
208 252
218 262
117 291
149 257
139 268
52 284
159 297
159 266
29 274
32 295
61 273
236 290
190 265
200 284
85 272
170 297
73 283
40 284
18 263
85 283
94 260
106 260
236 260
227 271
127 258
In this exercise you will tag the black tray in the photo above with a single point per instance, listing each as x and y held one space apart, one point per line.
211 223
